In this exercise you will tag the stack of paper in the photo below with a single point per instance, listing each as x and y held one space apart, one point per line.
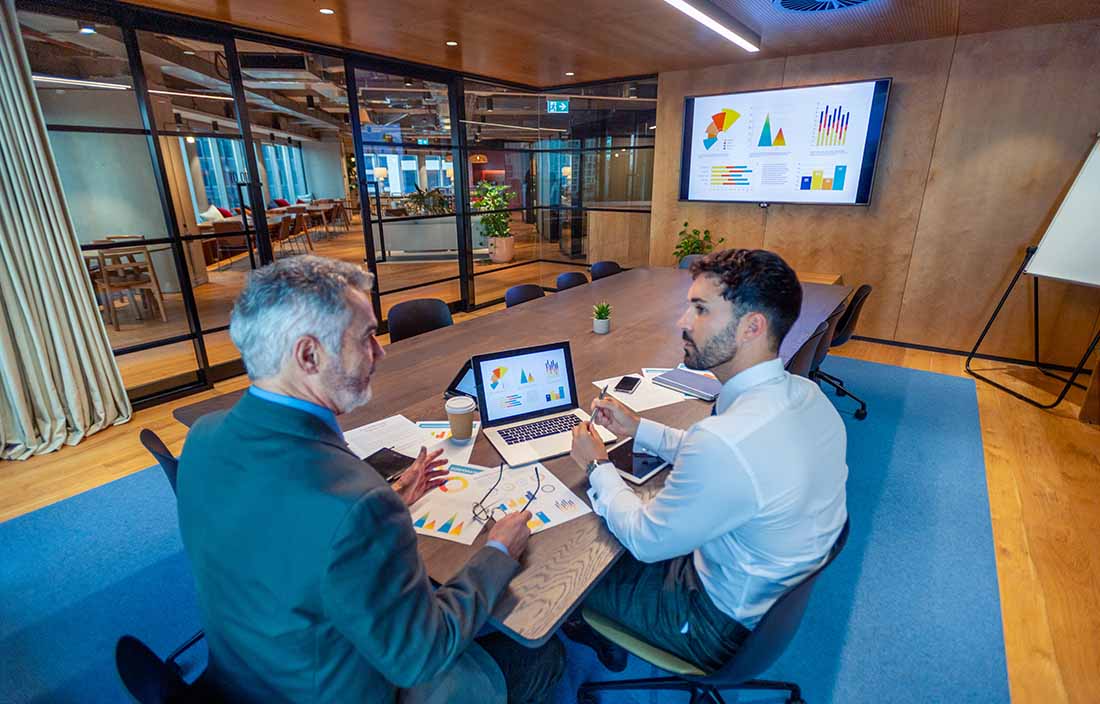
402 435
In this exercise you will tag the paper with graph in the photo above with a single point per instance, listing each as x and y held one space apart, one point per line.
448 512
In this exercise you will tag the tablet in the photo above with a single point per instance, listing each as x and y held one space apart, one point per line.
463 383
636 467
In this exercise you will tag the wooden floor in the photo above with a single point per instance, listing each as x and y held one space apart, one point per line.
1043 475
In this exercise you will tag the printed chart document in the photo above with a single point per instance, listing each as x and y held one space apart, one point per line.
448 512
396 432
646 395
437 434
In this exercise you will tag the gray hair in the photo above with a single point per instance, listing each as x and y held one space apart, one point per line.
281 302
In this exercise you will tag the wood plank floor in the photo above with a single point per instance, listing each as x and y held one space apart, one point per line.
1043 475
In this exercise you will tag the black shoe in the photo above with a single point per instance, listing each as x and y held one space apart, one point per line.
611 656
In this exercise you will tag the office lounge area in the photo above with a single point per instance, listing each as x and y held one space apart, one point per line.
195 145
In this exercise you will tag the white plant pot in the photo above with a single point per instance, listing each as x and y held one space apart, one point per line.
601 327
502 249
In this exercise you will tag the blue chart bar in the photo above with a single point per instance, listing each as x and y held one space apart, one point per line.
806 183
838 177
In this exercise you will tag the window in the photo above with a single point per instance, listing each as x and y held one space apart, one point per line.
285 177
221 164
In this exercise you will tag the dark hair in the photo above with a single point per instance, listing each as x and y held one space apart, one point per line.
756 280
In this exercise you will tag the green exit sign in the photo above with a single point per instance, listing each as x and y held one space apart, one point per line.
557 105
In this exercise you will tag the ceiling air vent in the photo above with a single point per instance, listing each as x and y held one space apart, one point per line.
817 5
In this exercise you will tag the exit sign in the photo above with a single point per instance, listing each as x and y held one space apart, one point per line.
557 105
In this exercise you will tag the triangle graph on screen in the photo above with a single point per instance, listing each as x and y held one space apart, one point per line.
766 139
719 122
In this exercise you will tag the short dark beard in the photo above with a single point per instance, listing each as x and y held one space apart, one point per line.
717 351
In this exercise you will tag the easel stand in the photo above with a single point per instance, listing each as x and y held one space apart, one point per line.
1069 383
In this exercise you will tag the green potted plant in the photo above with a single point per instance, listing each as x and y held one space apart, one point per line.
496 226
601 318
431 202
694 242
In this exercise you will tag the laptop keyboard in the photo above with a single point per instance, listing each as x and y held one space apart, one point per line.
539 429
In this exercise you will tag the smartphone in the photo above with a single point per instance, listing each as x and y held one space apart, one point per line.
627 384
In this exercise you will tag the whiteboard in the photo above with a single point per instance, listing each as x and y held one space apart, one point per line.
1070 248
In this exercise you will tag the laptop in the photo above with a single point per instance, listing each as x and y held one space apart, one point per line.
527 399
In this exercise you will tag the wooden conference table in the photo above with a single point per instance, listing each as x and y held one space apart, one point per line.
561 565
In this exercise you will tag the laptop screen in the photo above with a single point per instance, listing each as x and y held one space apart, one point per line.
525 383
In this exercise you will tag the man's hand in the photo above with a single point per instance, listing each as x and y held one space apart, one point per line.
422 476
587 445
616 417
513 532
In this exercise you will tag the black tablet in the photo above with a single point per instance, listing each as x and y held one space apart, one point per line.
463 384
635 467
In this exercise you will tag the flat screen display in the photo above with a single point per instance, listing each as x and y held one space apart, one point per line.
817 144
519 385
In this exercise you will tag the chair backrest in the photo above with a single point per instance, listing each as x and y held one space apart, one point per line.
570 279
802 361
147 678
776 629
411 318
847 324
521 294
604 269
161 454
826 340
688 260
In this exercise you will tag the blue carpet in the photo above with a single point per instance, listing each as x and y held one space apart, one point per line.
909 612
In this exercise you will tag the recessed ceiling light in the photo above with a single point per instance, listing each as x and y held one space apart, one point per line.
452 43
188 53
570 73
327 11
189 139
742 37
87 28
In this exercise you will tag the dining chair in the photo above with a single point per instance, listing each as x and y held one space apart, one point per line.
127 270
231 240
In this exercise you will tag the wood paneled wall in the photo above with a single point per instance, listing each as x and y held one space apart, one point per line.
984 134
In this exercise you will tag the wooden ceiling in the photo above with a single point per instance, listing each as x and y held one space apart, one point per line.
536 42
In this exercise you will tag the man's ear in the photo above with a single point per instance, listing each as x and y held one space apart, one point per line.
753 326
308 354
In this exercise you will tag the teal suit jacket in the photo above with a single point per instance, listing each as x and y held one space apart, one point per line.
310 586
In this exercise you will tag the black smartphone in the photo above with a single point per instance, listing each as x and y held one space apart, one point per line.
627 384
389 463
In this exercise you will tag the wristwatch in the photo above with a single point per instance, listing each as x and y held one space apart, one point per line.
591 467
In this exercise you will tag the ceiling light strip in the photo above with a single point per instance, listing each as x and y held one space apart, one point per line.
742 38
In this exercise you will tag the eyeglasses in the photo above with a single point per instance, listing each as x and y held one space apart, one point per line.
482 514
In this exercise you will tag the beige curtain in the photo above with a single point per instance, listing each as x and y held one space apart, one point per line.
58 379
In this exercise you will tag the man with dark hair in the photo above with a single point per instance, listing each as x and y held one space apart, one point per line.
755 498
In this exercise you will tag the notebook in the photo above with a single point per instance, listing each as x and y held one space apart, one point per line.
691 383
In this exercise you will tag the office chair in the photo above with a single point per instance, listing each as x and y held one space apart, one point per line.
844 331
601 270
150 680
571 279
521 294
688 260
170 465
412 318
801 362
763 647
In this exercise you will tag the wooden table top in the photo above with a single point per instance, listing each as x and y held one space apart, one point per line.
560 565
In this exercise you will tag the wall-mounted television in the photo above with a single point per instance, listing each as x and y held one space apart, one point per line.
815 144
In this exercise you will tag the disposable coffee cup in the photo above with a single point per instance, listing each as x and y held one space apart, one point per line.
460 414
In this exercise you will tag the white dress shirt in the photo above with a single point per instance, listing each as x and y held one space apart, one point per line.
756 492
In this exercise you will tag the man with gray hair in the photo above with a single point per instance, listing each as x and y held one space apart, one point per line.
309 582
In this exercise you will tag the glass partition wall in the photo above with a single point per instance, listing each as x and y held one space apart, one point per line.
191 153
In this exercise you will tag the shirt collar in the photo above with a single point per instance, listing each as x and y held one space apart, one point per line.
746 379
326 415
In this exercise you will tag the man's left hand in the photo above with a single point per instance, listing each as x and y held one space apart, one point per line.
422 476
587 445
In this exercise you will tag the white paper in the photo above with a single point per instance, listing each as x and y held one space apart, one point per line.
553 502
437 435
448 512
396 432
646 395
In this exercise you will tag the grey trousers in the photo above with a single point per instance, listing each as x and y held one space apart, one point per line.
665 604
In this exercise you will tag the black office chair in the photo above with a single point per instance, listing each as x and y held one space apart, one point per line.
161 454
418 316
521 294
688 260
845 328
170 465
801 362
601 270
571 279
150 680
763 647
